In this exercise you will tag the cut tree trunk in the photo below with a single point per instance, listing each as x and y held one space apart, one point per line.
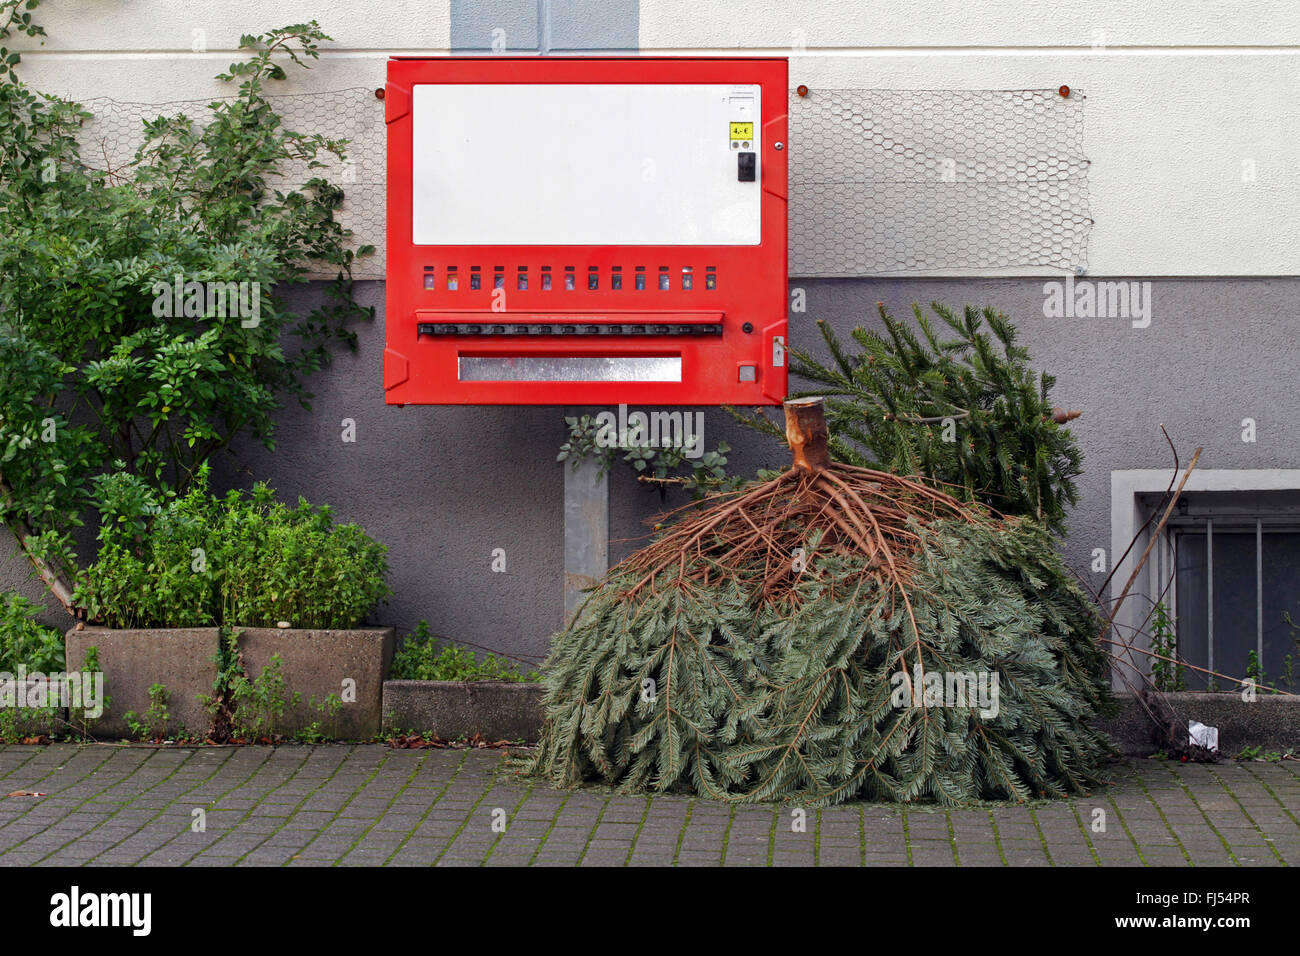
806 432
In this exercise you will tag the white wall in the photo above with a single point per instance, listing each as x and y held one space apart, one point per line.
1181 94
143 50
161 26
1011 25
1178 97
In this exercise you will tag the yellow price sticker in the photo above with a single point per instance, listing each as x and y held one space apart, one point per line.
742 131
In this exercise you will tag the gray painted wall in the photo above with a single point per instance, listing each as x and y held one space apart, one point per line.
473 23
443 487
1217 351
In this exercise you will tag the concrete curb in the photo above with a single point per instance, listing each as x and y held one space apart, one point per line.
1271 722
514 711
499 710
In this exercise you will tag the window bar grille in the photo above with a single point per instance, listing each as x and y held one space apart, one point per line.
1209 594
1158 563
1259 589
1171 552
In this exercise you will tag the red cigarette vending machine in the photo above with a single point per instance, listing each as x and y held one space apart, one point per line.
586 231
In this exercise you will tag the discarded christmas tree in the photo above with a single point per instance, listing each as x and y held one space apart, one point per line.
833 633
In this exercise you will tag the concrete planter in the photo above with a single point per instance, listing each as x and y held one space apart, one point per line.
351 664
31 708
498 710
1271 722
182 659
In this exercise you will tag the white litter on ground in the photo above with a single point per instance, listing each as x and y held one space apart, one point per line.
1203 735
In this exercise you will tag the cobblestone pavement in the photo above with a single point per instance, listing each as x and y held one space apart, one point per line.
368 804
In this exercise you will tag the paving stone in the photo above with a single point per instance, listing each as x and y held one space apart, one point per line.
366 805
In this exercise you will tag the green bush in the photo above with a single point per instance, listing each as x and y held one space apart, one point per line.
153 562
296 565
25 641
244 559
97 365
419 658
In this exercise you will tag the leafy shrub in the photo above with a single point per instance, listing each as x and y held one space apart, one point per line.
23 640
148 572
156 723
260 703
238 560
92 370
296 565
419 658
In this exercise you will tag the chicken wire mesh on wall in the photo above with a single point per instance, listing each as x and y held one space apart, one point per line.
898 181
110 139
881 181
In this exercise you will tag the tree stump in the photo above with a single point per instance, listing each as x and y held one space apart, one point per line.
806 433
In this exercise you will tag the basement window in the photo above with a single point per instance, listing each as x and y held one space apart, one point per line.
1228 564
